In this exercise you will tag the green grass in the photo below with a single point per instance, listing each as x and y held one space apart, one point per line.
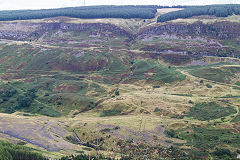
209 111
232 44
167 75
236 119
46 110
238 83
207 141
221 74
114 67
159 72
212 74
141 67
207 138
111 112
204 140
237 88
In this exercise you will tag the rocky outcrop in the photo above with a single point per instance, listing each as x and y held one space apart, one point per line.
219 30
102 27
27 31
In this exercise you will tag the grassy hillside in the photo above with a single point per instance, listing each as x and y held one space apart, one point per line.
89 88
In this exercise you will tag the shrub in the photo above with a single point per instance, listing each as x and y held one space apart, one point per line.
170 133
105 130
111 112
223 153
191 102
23 101
208 86
116 128
117 93
156 86
156 109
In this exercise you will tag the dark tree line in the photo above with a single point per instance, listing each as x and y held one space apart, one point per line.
126 12
89 12
10 151
217 10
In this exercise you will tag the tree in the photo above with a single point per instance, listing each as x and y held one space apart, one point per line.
23 101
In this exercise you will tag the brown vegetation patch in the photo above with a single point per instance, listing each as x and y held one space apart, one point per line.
66 88
5 59
21 66
224 126
7 76
236 127
177 125
92 65
176 59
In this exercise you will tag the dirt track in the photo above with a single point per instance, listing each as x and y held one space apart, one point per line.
39 132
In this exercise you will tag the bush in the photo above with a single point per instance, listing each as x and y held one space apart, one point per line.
117 93
208 86
6 91
116 128
191 102
105 130
222 153
111 112
156 109
26 99
170 133
23 101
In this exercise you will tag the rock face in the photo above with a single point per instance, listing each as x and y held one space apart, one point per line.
97 26
220 30
26 30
